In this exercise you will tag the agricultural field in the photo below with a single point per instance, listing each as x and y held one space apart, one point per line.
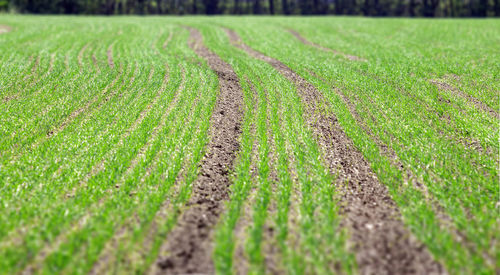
249 145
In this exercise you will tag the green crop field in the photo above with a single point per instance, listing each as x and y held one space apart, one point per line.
249 145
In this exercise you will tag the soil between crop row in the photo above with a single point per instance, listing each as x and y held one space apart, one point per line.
383 245
190 242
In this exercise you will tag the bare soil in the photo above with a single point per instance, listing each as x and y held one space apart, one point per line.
382 243
190 242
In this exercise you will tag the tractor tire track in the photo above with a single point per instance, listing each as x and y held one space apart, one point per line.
111 62
189 243
445 221
383 245
443 86
307 42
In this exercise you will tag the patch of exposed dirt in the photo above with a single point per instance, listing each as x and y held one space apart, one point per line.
5 29
443 86
189 243
307 42
382 243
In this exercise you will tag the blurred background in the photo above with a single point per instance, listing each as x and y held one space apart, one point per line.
417 8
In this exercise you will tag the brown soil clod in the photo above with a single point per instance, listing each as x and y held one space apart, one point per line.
382 243
307 42
188 246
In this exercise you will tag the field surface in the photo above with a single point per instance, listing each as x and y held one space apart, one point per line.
150 145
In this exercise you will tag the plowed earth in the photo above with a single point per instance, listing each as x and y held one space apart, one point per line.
189 243
258 145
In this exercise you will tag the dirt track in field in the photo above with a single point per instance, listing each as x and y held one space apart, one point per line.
190 242
307 42
443 86
109 53
382 243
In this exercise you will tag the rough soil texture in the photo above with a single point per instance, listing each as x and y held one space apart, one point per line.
189 243
443 86
307 42
382 243
5 29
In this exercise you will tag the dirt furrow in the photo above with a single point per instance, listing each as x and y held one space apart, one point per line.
383 245
445 220
111 62
307 42
443 86
189 243
384 149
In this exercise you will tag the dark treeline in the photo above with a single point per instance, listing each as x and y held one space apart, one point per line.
424 8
